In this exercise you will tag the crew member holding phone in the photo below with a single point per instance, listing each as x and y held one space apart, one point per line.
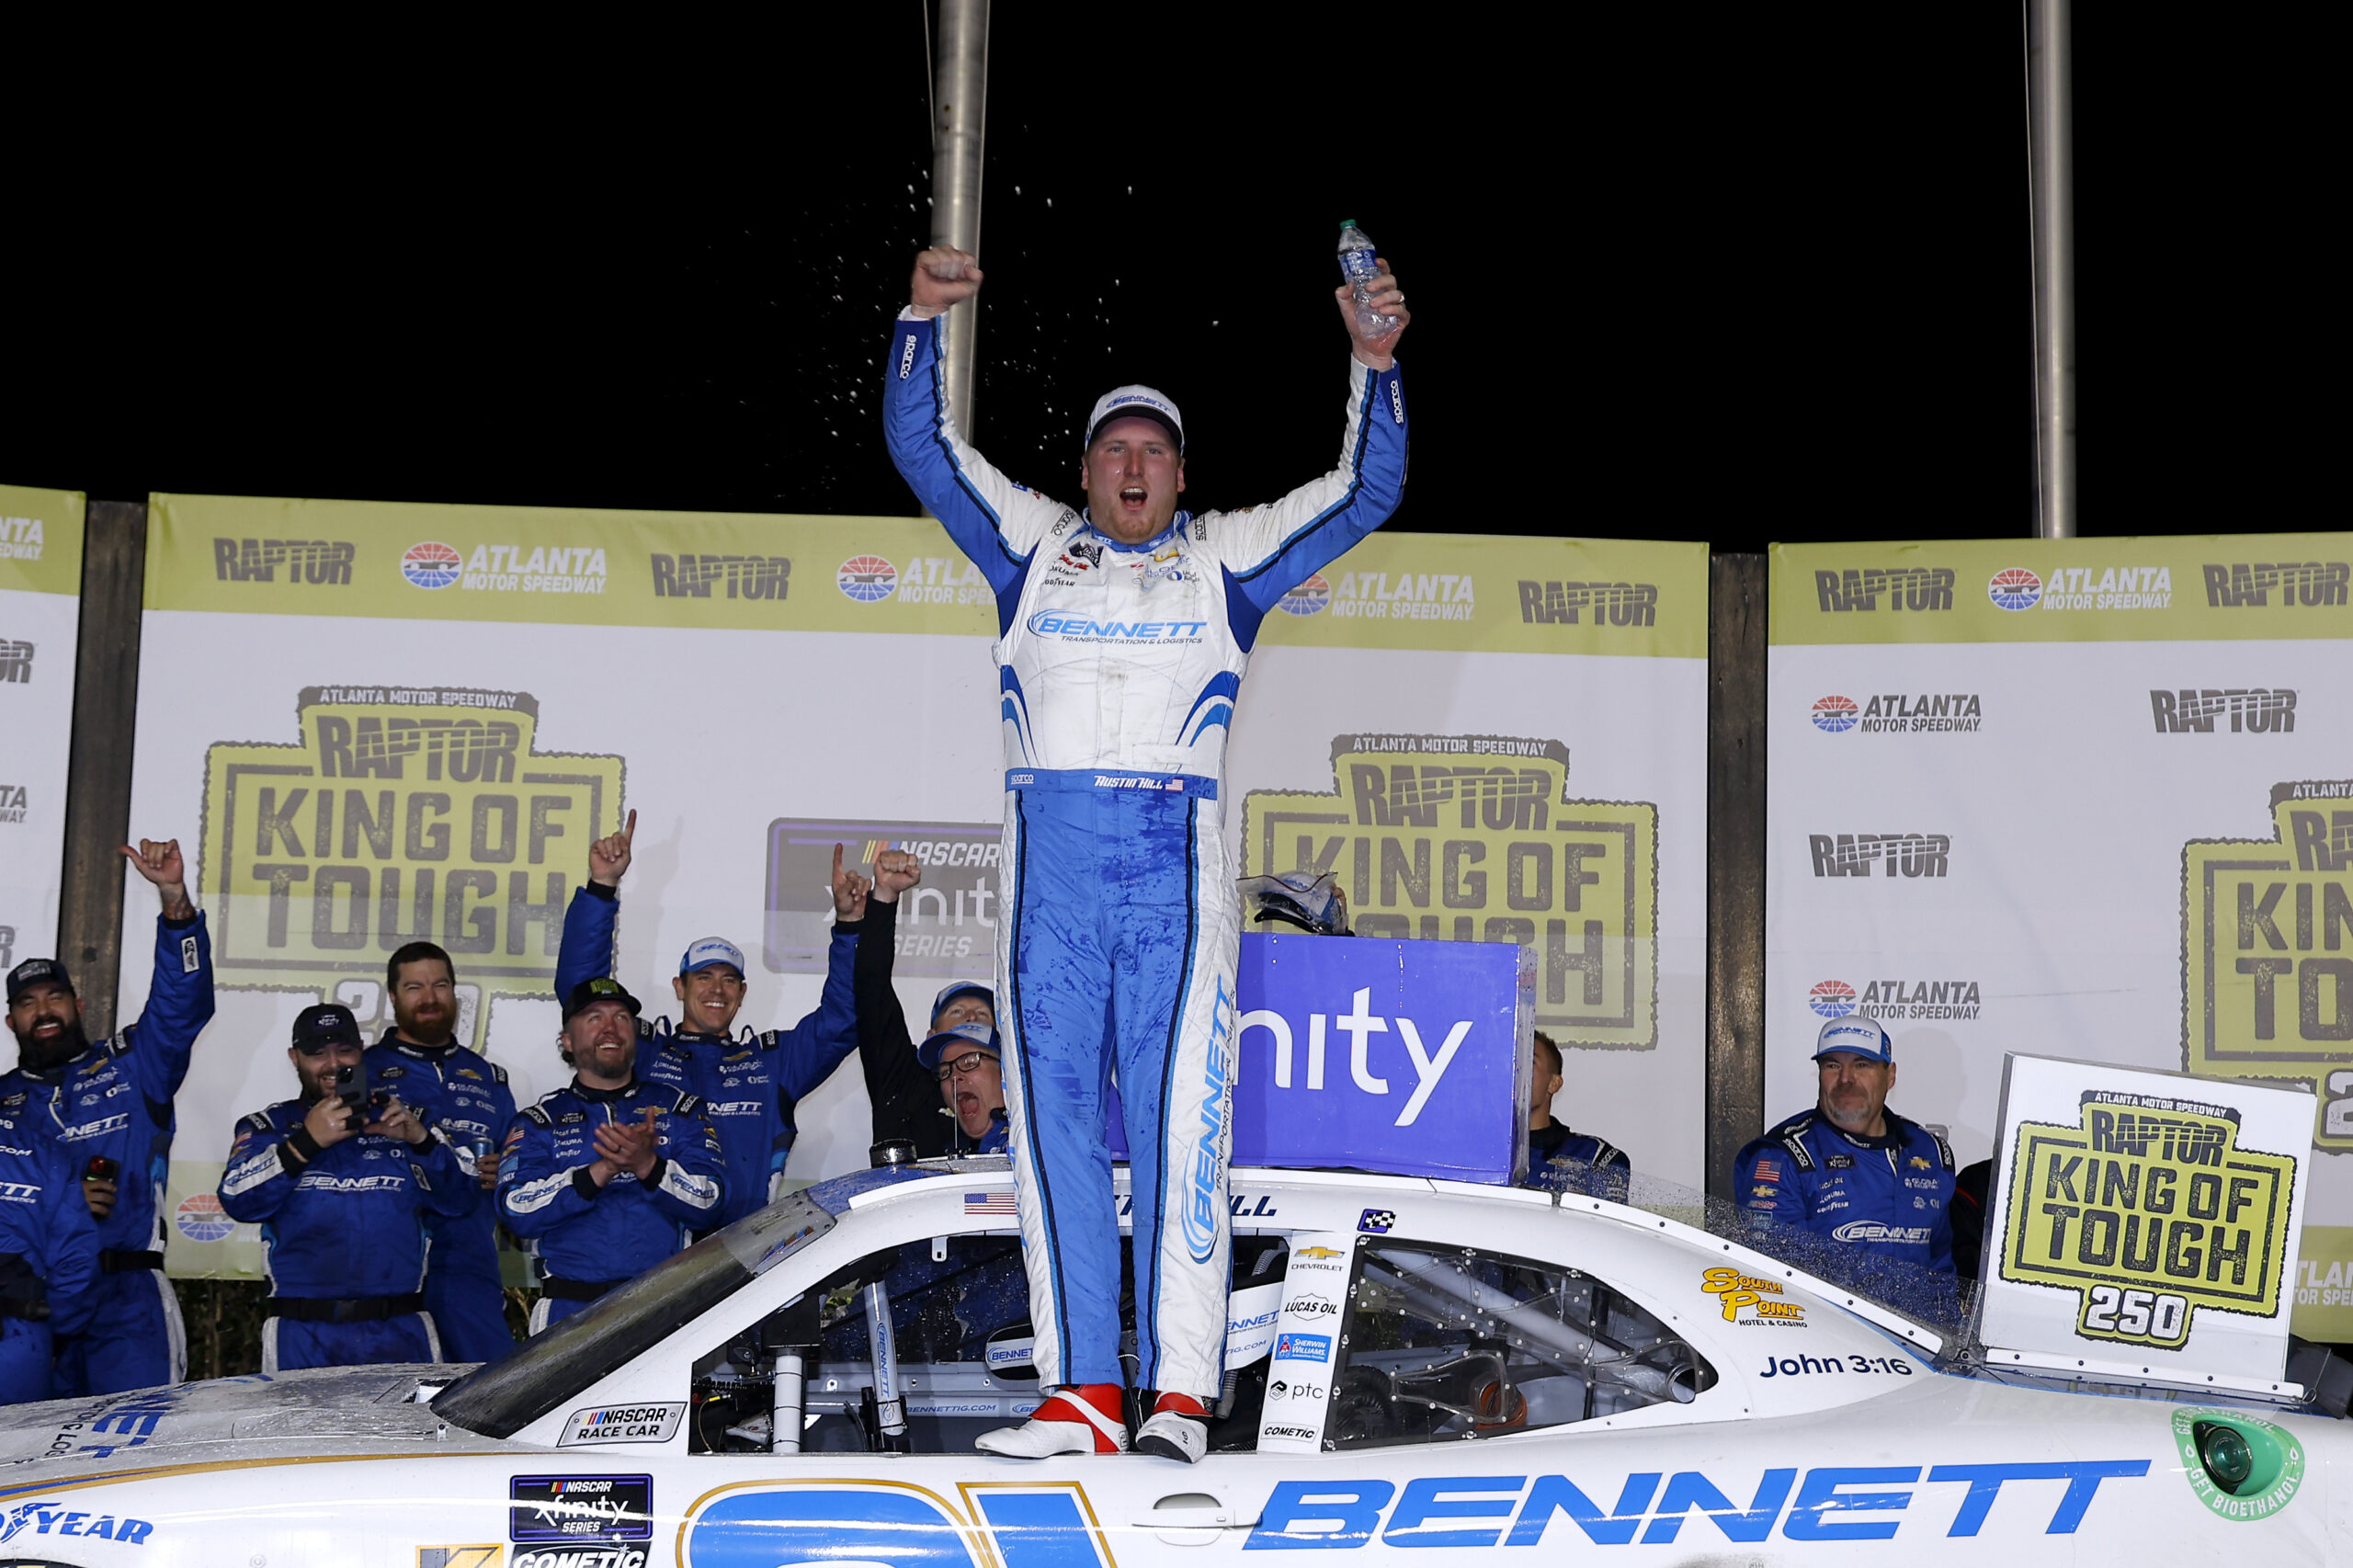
48 1253
340 1181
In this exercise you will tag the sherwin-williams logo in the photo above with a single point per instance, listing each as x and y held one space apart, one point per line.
2267 951
1310 597
20 540
1903 854
1836 715
400 814
867 578
2149 1208
1567 604
1903 587
323 563
2013 587
1896 714
431 564
2254 711
745 576
2308 584
1832 998
1473 838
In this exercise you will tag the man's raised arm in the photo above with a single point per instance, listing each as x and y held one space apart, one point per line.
995 521
1271 550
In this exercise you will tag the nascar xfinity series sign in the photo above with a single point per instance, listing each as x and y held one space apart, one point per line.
2144 1216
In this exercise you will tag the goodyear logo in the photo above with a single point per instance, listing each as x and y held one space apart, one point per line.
398 815
1473 838
2148 1208
2267 951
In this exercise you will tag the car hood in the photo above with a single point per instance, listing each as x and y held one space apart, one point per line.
365 1408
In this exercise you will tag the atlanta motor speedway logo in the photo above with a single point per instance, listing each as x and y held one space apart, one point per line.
1310 597
1897 713
431 564
1894 1000
869 579
1832 998
1836 715
2015 587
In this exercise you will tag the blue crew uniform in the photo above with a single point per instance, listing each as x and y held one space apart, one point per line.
48 1251
1888 1197
464 1098
115 1099
343 1236
1120 665
748 1086
591 1239
1607 1172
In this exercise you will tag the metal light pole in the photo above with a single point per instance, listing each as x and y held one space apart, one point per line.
2051 176
959 106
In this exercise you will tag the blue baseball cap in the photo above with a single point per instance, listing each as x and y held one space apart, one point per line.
1857 1036
961 988
710 950
935 1048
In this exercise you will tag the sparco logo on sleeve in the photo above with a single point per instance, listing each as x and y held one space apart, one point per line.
1474 839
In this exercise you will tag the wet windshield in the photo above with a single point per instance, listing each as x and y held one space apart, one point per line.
1939 1302
501 1399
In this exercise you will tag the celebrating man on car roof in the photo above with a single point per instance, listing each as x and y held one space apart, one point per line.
1123 634
1851 1169
747 1087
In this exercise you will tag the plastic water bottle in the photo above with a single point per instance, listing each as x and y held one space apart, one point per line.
1358 266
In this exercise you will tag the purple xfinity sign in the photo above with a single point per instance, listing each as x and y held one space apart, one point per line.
1398 1056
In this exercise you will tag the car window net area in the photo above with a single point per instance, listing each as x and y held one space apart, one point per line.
1445 1344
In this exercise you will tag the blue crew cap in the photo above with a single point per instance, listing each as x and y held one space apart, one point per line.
1859 1037
962 1037
711 950
954 989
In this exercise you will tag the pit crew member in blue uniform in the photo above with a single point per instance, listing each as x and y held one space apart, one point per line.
49 1251
463 1097
608 1176
940 1112
341 1196
1123 634
114 1098
1597 1167
1850 1169
748 1085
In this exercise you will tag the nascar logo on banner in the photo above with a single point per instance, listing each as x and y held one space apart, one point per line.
381 722
2084 798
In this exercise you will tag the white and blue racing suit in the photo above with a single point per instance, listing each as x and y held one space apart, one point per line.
1120 665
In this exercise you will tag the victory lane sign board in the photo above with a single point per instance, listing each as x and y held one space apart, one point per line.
400 815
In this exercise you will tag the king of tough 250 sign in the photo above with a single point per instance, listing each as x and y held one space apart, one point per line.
398 815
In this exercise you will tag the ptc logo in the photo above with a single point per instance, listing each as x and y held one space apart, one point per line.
2015 587
1836 715
1832 999
431 564
867 578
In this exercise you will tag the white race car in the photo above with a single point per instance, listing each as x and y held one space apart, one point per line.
1416 1365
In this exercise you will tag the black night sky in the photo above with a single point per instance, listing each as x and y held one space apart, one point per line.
1738 274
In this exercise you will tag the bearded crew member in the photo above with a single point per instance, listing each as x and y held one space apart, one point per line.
946 1096
341 1192
464 1097
48 1251
748 1086
1850 1169
114 1099
611 1175
1123 634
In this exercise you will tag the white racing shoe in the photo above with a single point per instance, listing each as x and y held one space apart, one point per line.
1178 1428
1076 1420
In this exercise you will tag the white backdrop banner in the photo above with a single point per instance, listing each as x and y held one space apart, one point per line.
40 616
2089 798
376 721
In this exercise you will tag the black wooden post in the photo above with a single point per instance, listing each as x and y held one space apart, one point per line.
1736 616
97 799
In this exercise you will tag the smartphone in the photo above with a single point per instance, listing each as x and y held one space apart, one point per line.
101 1168
351 1086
